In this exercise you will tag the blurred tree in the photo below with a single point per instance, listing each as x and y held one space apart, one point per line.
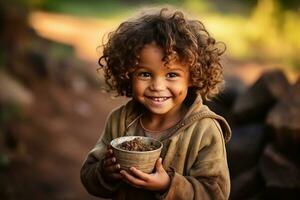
290 4
197 6
273 30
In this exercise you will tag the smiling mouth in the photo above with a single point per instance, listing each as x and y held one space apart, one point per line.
158 99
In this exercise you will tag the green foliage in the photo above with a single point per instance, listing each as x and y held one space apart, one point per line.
103 8
199 6
290 4
268 30
4 161
273 33
173 2
2 60
26 4
59 51
9 112
270 34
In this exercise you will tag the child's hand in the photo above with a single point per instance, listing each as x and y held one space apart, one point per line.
158 181
110 167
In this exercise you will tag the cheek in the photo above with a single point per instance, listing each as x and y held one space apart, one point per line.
181 93
179 89
137 87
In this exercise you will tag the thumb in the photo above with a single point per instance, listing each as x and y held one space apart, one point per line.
158 165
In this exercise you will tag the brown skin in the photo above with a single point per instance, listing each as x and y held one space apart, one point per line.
153 80
111 169
157 181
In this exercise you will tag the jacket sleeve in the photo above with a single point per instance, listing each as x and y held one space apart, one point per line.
91 171
208 178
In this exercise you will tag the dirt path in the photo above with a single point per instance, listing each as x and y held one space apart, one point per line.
84 34
73 135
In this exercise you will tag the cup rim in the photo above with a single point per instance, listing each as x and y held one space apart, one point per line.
136 152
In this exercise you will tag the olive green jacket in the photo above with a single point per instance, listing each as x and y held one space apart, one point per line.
195 152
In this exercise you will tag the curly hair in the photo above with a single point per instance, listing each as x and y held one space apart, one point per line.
187 40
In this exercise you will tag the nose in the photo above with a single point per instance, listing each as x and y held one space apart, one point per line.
158 84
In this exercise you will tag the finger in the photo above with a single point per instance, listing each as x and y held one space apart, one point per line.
109 153
131 179
113 168
158 165
109 161
129 183
116 175
109 148
139 174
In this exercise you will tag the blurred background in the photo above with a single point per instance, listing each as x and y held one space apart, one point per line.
53 108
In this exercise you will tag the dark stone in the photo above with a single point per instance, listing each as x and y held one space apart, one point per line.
248 185
281 176
11 138
254 104
37 63
233 88
284 119
245 147
223 102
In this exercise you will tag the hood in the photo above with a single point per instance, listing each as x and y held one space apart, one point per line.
197 111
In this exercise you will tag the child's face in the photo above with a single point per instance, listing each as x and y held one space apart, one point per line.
161 89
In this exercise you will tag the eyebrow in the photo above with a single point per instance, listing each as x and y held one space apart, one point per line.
176 69
141 66
171 69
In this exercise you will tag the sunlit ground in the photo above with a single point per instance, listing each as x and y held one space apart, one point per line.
83 34
242 35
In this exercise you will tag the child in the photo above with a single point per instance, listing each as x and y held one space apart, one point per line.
167 64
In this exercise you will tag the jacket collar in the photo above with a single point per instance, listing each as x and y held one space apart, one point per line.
195 112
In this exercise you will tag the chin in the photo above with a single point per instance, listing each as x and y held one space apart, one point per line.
158 111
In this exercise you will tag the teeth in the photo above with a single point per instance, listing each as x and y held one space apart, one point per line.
159 99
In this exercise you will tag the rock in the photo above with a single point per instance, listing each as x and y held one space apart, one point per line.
222 103
284 119
248 185
29 66
37 63
254 104
76 74
12 92
245 147
281 176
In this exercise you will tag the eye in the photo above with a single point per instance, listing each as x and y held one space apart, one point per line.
144 75
172 75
